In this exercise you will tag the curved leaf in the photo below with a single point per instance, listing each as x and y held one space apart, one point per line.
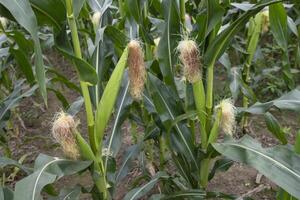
220 43
51 13
87 73
47 170
130 154
280 164
9 162
289 101
220 165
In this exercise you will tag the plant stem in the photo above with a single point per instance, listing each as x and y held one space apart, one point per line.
204 170
209 96
83 85
215 128
101 180
97 71
162 150
245 99
182 12
254 31
87 154
199 97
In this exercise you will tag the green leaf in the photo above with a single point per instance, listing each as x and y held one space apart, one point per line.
52 13
47 170
118 37
108 99
141 191
292 26
134 9
75 106
279 164
297 143
59 95
188 115
197 194
24 15
130 154
114 141
214 12
6 193
189 194
4 162
289 101
24 64
275 128
87 73
15 97
23 43
169 41
59 167
77 5
68 194
278 23
283 195
221 165
165 104
220 43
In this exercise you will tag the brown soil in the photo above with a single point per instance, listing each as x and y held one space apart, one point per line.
34 137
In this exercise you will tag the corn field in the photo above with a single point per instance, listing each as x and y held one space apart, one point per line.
149 99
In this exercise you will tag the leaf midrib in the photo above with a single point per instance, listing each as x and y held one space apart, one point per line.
267 157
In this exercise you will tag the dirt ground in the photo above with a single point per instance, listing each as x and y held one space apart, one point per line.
33 136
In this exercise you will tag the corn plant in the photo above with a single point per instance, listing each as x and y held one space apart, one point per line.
171 49
193 157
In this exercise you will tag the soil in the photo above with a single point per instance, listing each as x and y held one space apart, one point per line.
32 135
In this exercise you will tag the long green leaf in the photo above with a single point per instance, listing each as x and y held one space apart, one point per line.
24 64
278 23
86 72
214 12
190 194
218 46
129 155
6 193
279 164
108 99
168 41
289 101
52 13
112 144
275 128
166 107
23 13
